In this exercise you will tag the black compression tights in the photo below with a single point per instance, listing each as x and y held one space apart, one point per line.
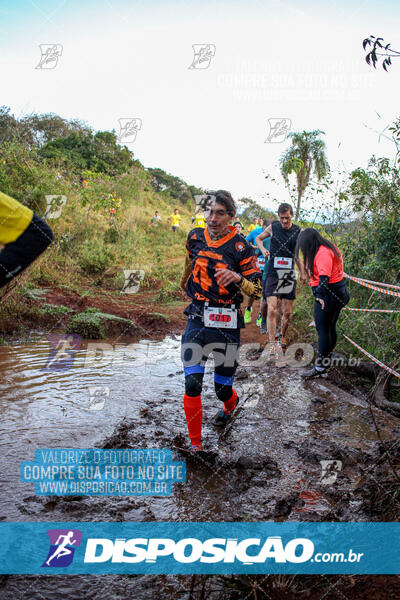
194 385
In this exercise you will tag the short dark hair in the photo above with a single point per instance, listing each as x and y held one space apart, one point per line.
225 198
284 207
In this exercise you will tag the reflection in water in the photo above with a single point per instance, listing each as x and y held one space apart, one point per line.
73 408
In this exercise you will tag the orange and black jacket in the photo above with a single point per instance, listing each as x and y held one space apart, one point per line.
229 252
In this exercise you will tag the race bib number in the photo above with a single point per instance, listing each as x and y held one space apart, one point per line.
261 262
282 262
220 317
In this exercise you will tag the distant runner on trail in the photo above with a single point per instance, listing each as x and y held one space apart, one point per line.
199 220
239 227
280 277
261 261
324 264
24 236
254 225
220 265
175 219
155 219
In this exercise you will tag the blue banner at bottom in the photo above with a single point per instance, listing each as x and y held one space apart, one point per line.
187 548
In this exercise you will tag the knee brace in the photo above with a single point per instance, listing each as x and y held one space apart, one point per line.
194 384
224 392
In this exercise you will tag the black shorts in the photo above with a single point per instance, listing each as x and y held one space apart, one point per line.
285 280
197 344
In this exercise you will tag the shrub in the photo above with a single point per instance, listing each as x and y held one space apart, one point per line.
95 258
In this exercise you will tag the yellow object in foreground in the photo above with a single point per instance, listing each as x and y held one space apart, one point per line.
14 219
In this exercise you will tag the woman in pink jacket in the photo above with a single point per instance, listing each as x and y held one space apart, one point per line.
324 265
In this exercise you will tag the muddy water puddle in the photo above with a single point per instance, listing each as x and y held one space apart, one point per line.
267 465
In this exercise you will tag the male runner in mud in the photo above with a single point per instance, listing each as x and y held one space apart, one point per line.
220 265
24 236
280 279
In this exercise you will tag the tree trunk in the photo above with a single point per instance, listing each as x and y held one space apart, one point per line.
299 196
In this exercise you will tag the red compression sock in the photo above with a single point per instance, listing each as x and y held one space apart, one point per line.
194 414
230 404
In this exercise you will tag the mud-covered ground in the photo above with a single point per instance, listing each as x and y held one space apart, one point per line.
266 466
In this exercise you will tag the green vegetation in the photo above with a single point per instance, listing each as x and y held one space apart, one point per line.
94 324
104 227
366 227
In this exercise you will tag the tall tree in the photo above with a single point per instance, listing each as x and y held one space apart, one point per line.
306 153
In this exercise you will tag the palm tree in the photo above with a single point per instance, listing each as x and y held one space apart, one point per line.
306 153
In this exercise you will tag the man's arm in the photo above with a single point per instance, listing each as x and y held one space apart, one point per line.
303 274
187 269
259 239
299 263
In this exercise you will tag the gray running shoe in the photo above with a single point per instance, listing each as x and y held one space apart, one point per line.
314 372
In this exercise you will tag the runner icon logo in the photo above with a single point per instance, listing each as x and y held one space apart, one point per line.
329 471
50 53
62 547
55 204
62 351
98 397
132 281
278 130
128 129
286 281
203 54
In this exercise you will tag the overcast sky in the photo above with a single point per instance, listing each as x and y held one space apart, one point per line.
301 62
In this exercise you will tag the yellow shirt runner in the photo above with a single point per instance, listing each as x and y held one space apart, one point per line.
175 220
199 221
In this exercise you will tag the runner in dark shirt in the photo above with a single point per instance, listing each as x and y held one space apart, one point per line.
281 276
